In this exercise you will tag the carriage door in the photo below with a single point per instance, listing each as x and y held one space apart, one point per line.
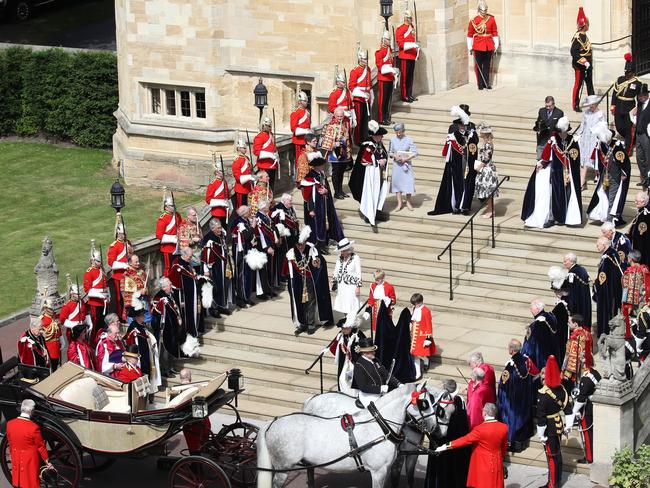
641 35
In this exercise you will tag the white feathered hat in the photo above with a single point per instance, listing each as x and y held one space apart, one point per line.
458 113
563 125
602 132
304 234
557 275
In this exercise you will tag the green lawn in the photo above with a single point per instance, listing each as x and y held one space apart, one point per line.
63 193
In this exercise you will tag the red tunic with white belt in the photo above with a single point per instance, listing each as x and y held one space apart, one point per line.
73 313
217 196
264 150
384 63
360 83
300 119
117 256
483 31
403 34
242 171
95 286
166 231
339 98
421 330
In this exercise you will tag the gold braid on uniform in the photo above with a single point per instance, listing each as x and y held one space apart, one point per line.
556 417
620 88
49 331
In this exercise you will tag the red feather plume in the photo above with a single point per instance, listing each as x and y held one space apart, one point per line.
628 56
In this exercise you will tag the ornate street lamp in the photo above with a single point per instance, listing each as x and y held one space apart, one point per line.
261 96
386 10
117 192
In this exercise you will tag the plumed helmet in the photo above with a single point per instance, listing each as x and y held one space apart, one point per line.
340 78
240 144
267 122
302 97
552 377
362 55
630 66
482 6
169 202
460 116
408 14
385 35
582 19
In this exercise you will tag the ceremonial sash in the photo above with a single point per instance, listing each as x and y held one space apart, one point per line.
218 191
341 98
561 155
122 255
98 280
75 312
267 143
363 75
171 224
387 56
408 32
304 118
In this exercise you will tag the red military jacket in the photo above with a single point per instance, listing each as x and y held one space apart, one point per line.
79 352
217 196
263 148
52 334
339 98
117 256
490 441
483 31
73 312
300 119
360 83
95 286
403 34
384 57
27 449
421 330
242 169
127 374
166 231
32 352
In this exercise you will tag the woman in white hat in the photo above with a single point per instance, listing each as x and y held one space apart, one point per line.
486 172
346 281
590 117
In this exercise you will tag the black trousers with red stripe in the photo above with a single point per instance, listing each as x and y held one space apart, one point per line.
587 431
361 130
117 303
482 61
554 461
582 75
97 318
167 259
385 98
239 199
407 68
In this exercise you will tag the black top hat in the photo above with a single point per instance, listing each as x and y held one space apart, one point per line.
644 89
317 162
380 132
465 108
365 344
134 312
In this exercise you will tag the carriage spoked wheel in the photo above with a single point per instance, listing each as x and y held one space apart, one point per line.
197 472
63 455
233 447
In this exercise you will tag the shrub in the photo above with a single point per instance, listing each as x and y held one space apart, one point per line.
68 96
630 469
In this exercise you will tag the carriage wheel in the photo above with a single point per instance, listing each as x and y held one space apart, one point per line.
62 453
93 462
197 472
233 447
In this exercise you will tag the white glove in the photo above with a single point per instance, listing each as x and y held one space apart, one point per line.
301 131
117 265
384 388
541 430
266 155
411 45
587 65
359 92
496 42
470 43
427 342
246 178
276 155
168 239
387 301
569 423
366 315
442 448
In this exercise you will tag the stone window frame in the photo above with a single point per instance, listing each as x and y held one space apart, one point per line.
156 106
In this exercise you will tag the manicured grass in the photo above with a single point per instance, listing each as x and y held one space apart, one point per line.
63 193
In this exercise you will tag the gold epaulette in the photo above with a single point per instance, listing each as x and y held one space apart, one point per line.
89 269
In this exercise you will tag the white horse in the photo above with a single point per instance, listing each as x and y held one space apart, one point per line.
305 438
432 416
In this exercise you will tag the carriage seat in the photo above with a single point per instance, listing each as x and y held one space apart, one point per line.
85 392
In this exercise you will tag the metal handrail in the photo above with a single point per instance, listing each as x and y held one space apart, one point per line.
470 222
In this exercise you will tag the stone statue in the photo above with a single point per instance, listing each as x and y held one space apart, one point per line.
47 279
612 350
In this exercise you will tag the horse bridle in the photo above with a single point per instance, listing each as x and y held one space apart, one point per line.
436 408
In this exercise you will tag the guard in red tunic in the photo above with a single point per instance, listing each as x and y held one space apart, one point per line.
73 312
483 41
31 346
125 363
26 447
166 231
581 59
360 85
265 151
117 256
300 123
422 343
242 171
490 441
217 196
380 290
409 50
51 333
386 76
340 97
96 289
79 352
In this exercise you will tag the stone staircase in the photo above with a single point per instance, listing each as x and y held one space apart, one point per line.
489 307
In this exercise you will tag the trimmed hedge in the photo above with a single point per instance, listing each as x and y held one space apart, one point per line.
67 96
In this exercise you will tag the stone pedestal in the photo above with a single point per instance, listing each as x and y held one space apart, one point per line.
613 425
47 280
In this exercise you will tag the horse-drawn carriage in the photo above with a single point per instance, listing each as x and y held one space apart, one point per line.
88 419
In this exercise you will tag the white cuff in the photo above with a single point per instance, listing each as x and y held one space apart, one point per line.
470 43
117 265
168 239
577 406
569 421
411 45
243 179
217 202
359 93
541 430
496 42
266 155
96 293
384 388
387 69
301 132
366 315
71 323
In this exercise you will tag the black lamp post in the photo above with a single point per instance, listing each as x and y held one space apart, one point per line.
386 10
117 192
261 96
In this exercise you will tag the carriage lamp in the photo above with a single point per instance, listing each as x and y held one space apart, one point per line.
261 96
386 10
117 192
199 407
235 379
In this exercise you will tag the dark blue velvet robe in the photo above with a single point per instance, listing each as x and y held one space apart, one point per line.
394 342
541 339
579 297
607 289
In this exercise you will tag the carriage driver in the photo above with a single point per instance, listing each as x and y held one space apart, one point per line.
370 377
